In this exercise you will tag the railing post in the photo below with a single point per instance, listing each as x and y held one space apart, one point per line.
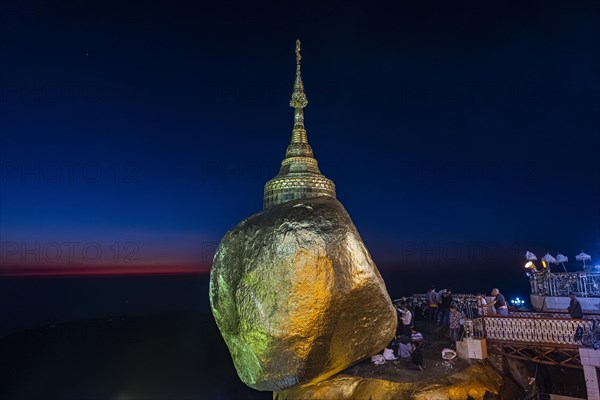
483 326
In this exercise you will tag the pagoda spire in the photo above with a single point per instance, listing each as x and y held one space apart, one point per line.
299 176
299 146
298 102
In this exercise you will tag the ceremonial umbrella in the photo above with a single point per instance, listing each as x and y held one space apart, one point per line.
530 256
549 259
560 258
583 257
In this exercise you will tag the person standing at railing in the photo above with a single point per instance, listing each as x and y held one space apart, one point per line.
499 303
574 307
445 303
482 306
432 303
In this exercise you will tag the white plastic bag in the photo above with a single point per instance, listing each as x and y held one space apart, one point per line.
378 359
448 354
388 354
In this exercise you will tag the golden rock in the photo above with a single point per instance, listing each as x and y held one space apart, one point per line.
296 295
477 382
293 289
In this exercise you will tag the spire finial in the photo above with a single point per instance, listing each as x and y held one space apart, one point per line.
299 99
298 56
298 102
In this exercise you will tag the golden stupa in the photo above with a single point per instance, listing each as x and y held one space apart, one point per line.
293 289
299 176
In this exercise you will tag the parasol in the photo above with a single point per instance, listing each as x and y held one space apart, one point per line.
530 256
562 259
583 257
548 259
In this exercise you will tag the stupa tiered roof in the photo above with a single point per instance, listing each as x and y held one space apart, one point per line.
299 176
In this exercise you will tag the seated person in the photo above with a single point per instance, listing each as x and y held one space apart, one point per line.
416 336
416 361
404 348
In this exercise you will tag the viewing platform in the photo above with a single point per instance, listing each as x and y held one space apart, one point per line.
548 338
545 338
550 290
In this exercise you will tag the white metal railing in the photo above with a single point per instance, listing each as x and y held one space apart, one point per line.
457 297
466 302
478 331
583 283
538 330
539 314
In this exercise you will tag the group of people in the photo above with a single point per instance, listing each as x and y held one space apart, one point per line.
440 305
442 311
439 301
409 348
408 342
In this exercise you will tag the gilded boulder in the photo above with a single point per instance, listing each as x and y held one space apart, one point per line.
296 295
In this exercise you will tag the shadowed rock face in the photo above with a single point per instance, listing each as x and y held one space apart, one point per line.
296 295
478 382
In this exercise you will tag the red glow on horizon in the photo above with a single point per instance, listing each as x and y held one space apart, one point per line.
105 270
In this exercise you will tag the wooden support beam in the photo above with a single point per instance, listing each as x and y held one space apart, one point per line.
561 356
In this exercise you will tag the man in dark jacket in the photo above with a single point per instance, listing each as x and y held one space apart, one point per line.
445 303
432 304
575 307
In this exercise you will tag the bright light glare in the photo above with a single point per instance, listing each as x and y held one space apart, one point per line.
517 302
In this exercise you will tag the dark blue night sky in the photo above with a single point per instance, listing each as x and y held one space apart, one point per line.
457 135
